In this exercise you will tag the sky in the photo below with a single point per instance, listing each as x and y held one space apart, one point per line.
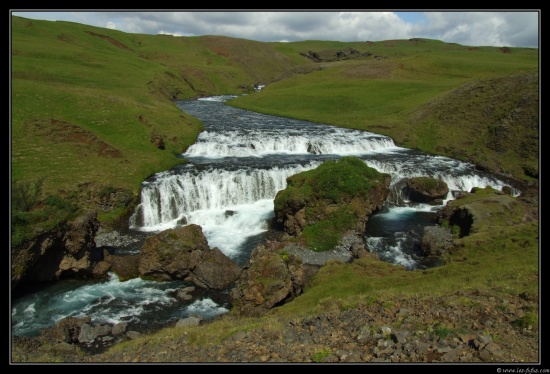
513 28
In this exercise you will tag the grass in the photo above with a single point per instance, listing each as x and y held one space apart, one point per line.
487 260
529 321
320 355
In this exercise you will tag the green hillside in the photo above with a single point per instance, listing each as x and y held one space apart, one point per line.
464 102
93 111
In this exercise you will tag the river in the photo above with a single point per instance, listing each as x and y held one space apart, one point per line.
232 174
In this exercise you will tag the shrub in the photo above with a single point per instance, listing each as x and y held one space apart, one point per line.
25 194
527 322
319 356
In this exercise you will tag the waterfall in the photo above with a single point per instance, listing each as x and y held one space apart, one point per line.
242 159
171 197
256 143
231 177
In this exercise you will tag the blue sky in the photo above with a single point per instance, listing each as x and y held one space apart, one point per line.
515 28
413 17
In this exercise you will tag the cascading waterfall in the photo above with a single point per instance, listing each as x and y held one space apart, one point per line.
459 176
262 143
171 197
236 167
242 159
232 174
230 205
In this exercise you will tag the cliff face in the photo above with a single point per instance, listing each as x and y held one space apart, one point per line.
67 251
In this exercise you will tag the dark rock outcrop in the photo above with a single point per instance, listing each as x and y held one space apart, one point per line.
335 55
183 253
67 251
272 278
427 190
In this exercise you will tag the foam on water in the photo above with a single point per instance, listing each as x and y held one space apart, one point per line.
110 301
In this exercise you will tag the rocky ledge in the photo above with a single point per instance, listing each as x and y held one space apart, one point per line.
464 327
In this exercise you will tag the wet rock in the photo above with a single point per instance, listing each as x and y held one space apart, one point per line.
183 293
427 190
119 328
125 267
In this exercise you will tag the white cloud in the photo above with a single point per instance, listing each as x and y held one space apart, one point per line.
494 28
482 28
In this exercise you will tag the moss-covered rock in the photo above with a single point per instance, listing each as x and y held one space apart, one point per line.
427 190
320 205
485 209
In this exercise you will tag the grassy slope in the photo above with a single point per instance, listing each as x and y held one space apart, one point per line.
416 96
85 100
95 89
61 72
101 94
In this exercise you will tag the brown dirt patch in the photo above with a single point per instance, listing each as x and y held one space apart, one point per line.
113 41
372 70
60 132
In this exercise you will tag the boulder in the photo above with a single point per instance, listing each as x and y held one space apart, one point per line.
119 328
427 190
183 253
272 278
189 321
436 240
209 270
65 330
183 294
125 267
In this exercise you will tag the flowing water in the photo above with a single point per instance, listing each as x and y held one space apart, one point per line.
232 174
